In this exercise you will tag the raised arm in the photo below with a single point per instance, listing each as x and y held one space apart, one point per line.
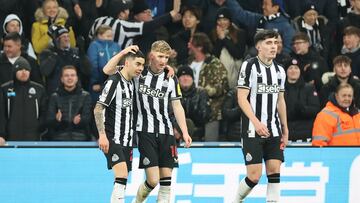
241 16
111 67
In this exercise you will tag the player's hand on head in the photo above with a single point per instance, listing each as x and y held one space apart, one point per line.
131 49
103 143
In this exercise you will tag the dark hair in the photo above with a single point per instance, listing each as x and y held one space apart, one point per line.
68 67
341 59
201 39
265 34
14 36
194 10
352 30
343 86
138 54
300 36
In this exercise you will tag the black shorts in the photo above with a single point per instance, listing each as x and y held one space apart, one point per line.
117 154
256 149
157 150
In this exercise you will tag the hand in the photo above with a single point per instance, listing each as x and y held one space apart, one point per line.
103 143
173 54
78 11
171 72
187 139
77 119
220 32
2 141
176 17
176 5
285 138
261 129
58 116
98 3
132 49
96 88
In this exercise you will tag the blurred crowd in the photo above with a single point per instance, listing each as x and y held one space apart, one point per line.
53 52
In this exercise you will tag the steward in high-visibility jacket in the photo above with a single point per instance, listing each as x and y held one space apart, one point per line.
337 126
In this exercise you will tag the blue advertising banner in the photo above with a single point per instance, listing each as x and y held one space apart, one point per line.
54 175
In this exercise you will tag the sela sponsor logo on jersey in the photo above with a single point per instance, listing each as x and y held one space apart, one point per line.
143 89
126 102
267 89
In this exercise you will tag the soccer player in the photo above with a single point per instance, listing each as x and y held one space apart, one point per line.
114 117
157 145
261 98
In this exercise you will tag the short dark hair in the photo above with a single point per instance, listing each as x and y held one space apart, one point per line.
14 36
138 54
194 10
341 59
201 39
68 67
352 30
300 36
265 34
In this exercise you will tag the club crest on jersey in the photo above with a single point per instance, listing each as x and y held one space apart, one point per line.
143 89
267 89
126 102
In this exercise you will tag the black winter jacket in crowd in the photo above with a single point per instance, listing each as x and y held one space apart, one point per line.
23 109
302 105
70 104
330 87
195 102
52 60
231 116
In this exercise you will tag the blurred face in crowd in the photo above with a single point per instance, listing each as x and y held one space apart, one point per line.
134 66
310 17
186 82
64 41
189 20
351 41
69 78
23 75
223 23
356 5
267 48
158 61
342 70
279 45
144 16
107 35
269 8
51 8
293 73
301 46
124 15
193 49
219 2
12 48
344 97
13 26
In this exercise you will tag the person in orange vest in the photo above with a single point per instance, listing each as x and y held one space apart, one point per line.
338 124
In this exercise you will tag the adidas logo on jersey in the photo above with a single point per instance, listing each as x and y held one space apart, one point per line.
267 89
143 89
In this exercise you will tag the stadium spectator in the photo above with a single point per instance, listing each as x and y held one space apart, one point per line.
351 48
195 102
231 117
54 58
314 26
338 123
302 103
179 41
209 15
100 51
68 115
229 44
274 17
13 23
124 30
48 15
11 52
352 19
23 106
343 74
210 74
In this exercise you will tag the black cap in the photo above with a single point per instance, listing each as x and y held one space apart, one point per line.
116 6
55 31
307 7
290 62
139 6
224 13
185 70
21 63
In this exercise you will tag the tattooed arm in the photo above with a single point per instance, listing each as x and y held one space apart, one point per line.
99 120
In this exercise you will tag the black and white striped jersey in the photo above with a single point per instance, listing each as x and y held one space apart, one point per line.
265 83
154 93
123 31
117 96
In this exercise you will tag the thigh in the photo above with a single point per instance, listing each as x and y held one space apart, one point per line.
148 149
117 154
252 150
168 156
272 149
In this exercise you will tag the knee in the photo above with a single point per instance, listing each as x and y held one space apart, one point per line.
152 181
